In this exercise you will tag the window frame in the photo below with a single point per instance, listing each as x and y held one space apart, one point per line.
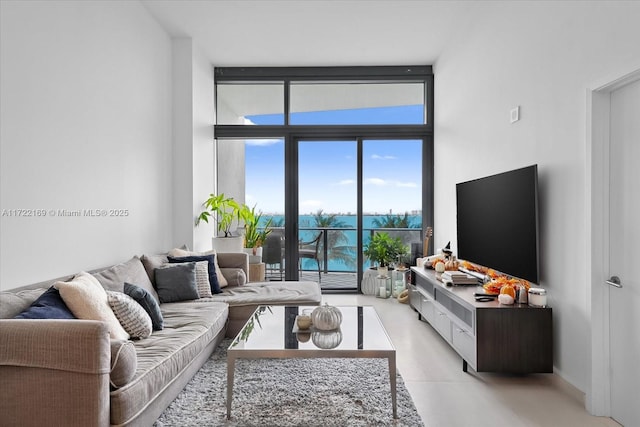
292 133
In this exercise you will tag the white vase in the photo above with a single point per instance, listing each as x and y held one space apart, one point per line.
227 244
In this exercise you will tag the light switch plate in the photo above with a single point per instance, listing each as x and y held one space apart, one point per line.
515 114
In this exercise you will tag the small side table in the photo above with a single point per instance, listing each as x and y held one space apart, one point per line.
257 272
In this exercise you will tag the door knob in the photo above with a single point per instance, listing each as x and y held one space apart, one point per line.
614 281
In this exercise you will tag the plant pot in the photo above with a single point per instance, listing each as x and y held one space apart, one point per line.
227 244
254 259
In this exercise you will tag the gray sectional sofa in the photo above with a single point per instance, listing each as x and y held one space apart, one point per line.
70 373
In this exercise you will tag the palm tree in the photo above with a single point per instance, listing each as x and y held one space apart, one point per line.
399 221
337 241
395 221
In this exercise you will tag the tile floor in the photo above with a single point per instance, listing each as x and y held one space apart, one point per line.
447 397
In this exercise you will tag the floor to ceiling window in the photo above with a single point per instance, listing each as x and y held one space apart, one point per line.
330 156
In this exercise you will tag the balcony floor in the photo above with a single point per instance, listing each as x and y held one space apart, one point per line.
330 281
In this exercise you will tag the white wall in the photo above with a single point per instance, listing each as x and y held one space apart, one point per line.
543 57
85 111
204 168
193 171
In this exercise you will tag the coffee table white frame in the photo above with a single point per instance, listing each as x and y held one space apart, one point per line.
281 353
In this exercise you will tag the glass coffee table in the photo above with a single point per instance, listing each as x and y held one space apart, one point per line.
272 333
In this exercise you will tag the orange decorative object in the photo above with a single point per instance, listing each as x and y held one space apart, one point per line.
491 288
509 290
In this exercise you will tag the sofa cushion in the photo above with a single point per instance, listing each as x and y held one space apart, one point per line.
179 252
271 293
151 262
123 363
147 302
213 277
176 282
49 305
133 318
87 299
132 271
13 303
189 329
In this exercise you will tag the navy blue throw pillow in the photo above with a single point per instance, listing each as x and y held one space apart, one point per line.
49 305
213 277
148 302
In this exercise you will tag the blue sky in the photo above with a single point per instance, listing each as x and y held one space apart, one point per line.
392 177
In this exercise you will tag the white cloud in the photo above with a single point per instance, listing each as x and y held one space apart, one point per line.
381 183
263 141
379 157
406 184
375 181
347 182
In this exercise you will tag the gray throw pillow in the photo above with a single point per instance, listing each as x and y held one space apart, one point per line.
148 302
176 282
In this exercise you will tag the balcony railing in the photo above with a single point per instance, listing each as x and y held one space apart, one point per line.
338 246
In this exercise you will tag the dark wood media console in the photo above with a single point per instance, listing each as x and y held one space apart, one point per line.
489 337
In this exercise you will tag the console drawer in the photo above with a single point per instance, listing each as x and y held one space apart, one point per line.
442 323
464 343
427 309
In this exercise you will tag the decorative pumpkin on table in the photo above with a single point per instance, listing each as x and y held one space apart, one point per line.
326 317
327 340
452 264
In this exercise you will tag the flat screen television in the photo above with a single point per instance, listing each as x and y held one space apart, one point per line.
497 221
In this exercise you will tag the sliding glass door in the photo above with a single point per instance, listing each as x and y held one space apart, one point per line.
327 212
392 193
348 190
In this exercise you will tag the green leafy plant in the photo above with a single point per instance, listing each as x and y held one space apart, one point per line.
251 323
224 209
383 249
254 235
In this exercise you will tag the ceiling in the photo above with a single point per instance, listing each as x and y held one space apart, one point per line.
315 33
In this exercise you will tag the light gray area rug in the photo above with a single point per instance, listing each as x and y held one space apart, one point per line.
292 392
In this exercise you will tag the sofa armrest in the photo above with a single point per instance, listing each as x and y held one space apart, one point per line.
234 260
54 370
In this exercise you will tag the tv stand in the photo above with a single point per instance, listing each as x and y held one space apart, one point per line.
489 337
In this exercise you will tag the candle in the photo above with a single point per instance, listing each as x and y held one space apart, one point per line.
383 292
419 262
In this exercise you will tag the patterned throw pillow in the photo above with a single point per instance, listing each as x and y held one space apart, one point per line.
133 318
87 299
148 302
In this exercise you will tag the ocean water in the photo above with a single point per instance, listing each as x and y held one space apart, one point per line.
308 231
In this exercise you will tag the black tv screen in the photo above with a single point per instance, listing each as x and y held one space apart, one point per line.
497 220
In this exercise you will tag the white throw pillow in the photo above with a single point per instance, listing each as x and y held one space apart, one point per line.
87 300
133 318
178 252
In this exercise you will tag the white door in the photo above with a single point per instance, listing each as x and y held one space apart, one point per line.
624 229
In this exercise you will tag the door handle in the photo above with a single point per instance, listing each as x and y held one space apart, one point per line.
614 281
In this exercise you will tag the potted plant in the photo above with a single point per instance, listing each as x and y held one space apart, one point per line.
383 250
225 211
254 235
